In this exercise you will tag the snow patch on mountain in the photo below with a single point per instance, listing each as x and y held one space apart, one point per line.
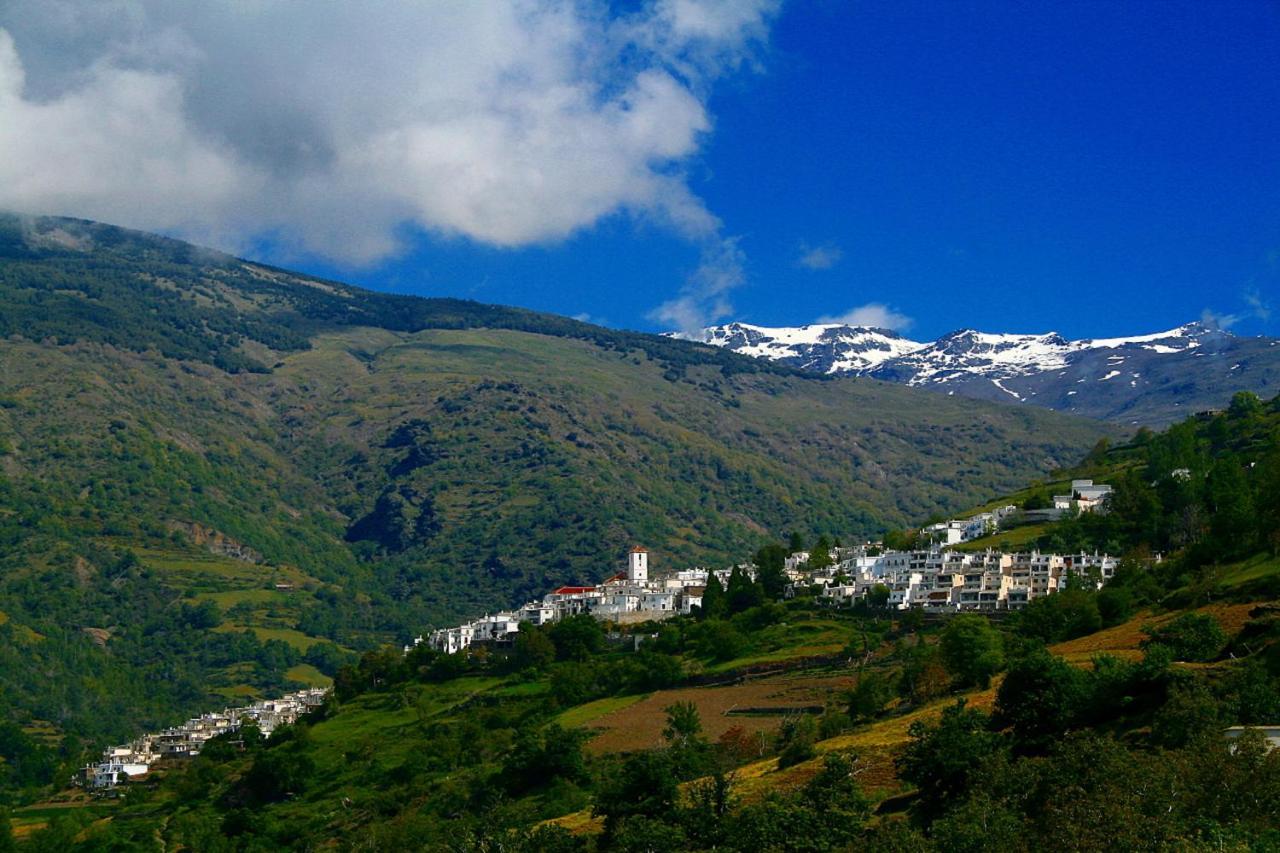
822 347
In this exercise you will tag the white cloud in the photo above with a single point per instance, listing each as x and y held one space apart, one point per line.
819 257
704 299
332 126
874 315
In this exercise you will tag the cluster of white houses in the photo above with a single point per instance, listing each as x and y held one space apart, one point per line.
627 597
935 578
121 763
943 579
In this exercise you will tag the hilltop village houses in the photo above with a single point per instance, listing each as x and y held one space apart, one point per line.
935 578
120 764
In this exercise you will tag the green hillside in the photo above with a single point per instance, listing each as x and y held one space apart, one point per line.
218 479
1090 720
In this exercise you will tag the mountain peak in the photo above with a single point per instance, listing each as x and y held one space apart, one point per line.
1045 368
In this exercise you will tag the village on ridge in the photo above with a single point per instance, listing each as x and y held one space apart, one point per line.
935 578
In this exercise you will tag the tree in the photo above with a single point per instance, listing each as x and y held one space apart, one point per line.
796 737
539 758
868 696
720 641
577 637
878 595
683 723
1190 713
1190 637
902 540
770 564
714 603
7 844
1039 699
820 555
1071 613
533 649
972 650
742 593
1244 404
796 543
923 675
646 785
941 760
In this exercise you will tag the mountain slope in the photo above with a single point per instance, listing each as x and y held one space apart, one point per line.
1144 379
366 465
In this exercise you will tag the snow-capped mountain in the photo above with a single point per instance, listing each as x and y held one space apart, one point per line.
1151 378
821 347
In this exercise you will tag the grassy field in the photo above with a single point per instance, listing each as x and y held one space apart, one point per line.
308 675
293 637
1017 539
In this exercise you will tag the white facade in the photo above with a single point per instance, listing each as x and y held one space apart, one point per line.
638 566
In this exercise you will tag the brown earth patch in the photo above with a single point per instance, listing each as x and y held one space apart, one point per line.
1125 640
639 726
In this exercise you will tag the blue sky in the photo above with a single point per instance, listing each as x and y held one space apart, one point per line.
1097 168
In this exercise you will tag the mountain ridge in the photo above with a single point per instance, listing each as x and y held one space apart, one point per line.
1170 373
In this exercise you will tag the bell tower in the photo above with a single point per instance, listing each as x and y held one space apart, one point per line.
638 565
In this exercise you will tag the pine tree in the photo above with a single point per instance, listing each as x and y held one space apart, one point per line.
714 603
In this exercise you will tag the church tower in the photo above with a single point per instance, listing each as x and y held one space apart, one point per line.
638 566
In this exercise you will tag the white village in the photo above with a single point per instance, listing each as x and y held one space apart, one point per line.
135 759
936 578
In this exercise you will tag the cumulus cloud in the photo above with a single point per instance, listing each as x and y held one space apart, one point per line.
874 315
330 127
819 257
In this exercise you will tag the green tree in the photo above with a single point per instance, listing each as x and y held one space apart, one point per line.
972 650
796 543
578 637
7 843
1039 699
533 649
684 724
770 564
878 595
941 760
645 785
820 555
1244 404
1190 637
720 641
868 696
796 738
742 593
714 603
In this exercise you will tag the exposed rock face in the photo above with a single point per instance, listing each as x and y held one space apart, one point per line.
216 542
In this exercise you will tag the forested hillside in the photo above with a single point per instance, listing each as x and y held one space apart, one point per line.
219 479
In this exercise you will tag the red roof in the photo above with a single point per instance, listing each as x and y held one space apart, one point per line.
639 550
573 590
620 576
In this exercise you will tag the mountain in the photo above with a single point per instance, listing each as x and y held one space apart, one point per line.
820 348
1145 379
217 478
